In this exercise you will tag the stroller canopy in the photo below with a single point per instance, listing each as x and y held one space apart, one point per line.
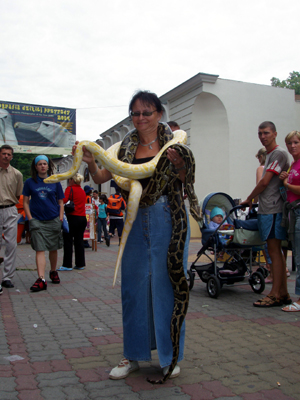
216 199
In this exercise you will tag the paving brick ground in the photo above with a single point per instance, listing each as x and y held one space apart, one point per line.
66 340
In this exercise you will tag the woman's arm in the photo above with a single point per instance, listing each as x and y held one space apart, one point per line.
292 188
98 175
67 194
259 173
61 209
26 207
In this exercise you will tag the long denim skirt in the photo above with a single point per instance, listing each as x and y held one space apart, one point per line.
147 294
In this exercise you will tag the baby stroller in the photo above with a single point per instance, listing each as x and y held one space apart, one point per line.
228 248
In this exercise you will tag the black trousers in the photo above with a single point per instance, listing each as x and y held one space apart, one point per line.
77 226
116 223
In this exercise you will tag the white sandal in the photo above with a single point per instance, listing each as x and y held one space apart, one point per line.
124 368
292 307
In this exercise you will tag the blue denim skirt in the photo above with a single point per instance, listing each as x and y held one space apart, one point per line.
147 294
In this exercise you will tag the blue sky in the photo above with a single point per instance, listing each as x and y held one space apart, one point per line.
93 55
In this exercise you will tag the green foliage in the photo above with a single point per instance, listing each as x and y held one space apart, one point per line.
23 162
292 82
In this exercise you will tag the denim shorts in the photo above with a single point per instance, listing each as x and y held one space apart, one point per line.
269 226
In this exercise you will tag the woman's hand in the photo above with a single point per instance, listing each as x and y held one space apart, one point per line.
175 158
283 175
87 155
178 163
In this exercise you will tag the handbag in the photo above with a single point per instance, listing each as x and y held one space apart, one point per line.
70 206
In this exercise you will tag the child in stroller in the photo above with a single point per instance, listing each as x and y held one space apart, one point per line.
216 222
229 238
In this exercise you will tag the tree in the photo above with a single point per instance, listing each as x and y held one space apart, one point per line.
292 82
23 163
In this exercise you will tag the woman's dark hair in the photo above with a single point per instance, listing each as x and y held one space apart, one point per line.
33 171
104 198
146 98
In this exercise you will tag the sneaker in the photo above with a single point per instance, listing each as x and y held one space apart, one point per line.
174 374
79 267
54 277
124 368
7 284
39 285
1 290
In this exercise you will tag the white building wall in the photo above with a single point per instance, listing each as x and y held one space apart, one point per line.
246 106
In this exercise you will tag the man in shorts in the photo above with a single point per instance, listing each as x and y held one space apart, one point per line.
270 213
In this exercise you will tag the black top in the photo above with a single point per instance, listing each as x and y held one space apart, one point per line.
144 182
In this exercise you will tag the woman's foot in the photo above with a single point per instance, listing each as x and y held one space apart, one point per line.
124 368
62 268
175 372
295 307
53 275
40 284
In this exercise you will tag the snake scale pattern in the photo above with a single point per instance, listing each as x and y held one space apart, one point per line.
163 175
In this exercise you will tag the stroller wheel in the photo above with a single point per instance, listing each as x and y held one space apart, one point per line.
257 282
263 271
190 278
213 287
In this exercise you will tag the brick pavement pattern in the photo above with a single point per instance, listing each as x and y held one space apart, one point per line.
61 343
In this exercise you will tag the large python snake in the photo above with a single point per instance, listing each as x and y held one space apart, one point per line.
163 175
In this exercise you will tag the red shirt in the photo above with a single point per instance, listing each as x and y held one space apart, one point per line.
78 198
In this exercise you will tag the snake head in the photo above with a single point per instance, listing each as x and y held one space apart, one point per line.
52 179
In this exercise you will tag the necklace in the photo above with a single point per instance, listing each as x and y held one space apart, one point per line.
149 144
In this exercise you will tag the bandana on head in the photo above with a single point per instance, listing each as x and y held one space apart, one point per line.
39 158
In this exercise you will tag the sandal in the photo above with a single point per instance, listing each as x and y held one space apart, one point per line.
292 307
286 299
269 301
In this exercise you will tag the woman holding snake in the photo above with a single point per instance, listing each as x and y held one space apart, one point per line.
147 293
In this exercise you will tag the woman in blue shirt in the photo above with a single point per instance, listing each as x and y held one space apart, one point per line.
45 216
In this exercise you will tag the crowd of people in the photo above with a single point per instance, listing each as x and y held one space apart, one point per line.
146 290
39 208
